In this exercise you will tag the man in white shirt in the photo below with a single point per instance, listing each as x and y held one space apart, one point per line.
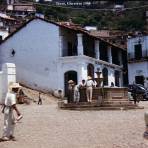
9 120
89 89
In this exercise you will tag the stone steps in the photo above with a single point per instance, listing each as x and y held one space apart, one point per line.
110 103
96 106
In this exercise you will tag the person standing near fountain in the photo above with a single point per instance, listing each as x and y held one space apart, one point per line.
89 89
70 91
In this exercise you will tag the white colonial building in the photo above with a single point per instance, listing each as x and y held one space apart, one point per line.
138 59
48 54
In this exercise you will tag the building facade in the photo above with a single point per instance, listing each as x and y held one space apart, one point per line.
20 9
48 54
138 59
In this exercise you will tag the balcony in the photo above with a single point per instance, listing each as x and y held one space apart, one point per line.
116 61
69 52
138 58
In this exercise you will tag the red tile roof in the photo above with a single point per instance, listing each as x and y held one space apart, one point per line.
64 25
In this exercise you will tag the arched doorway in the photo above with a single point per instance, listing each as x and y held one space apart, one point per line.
69 75
90 70
105 76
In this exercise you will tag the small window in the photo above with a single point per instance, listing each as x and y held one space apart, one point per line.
12 52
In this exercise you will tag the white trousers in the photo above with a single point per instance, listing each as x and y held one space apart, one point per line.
9 124
89 91
76 96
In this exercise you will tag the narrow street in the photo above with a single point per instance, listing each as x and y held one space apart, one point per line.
46 126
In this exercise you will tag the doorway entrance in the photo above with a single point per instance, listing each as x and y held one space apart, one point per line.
105 76
117 78
139 80
138 51
69 75
90 70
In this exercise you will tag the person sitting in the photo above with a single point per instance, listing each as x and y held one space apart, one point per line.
112 84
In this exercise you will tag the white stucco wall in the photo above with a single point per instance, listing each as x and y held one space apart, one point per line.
136 69
36 51
79 64
7 75
133 41
37 57
71 64
4 34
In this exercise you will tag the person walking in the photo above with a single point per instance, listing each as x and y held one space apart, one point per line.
82 91
40 99
9 120
89 89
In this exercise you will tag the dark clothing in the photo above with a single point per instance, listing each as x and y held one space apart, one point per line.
40 100
83 97
135 98
70 96
70 93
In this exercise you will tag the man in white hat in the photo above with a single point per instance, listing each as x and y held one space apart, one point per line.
70 91
9 120
89 88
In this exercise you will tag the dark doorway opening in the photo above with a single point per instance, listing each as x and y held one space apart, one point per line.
115 56
117 78
138 51
72 49
105 76
69 75
139 80
103 51
90 70
88 45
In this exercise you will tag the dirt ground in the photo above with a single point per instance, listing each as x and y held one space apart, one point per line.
46 126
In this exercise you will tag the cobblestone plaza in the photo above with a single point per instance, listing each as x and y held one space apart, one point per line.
46 126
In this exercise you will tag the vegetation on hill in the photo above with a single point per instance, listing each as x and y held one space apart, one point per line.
127 20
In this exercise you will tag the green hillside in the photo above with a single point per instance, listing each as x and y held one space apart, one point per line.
126 20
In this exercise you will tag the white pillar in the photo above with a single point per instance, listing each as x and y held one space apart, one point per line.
60 46
8 75
111 76
97 50
82 72
109 54
80 44
121 78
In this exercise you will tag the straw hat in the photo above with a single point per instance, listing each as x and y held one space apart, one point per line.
70 81
89 77
14 85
